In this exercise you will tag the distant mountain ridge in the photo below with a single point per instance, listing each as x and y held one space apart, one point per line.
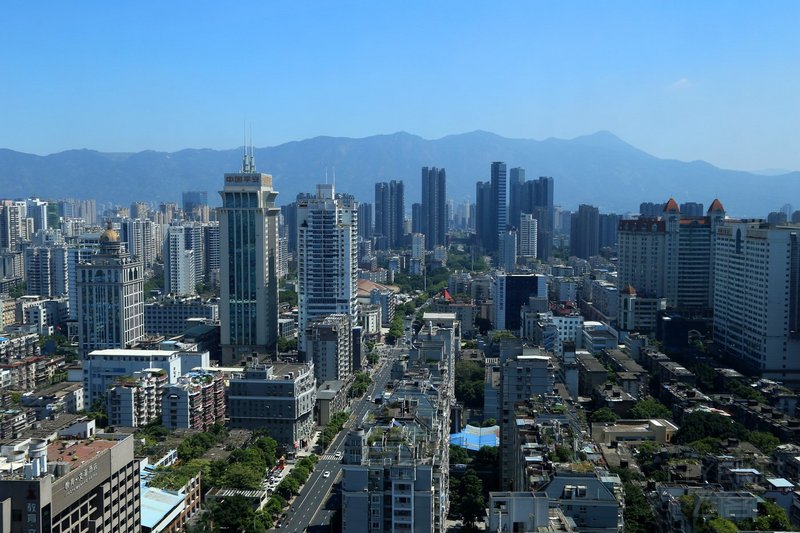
598 169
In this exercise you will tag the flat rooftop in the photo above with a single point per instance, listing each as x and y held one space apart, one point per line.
79 451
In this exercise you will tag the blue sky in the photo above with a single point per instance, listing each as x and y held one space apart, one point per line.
709 80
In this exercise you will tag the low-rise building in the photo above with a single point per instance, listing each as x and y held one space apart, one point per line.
331 399
135 401
278 397
64 397
656 430
196 401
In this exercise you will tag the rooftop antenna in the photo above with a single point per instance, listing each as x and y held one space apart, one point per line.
334 177
244 147
252 151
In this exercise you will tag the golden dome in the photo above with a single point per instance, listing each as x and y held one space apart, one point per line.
110 234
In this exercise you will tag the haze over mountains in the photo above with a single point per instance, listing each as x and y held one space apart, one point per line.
598 169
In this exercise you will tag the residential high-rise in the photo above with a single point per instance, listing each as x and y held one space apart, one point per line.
248 255
607 233
142 240
507 258
327 257
499 206
669 257
390 213
527 373
756 304
179 264
434 215
329 345
110 297
584 241
416 217
46 270
528 235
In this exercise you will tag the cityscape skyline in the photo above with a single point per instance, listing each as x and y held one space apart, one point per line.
678 93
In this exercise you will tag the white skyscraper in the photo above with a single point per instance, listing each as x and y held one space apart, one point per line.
756 307
248 222
327 250
528 228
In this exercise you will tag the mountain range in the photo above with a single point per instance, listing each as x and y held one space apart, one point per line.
598 169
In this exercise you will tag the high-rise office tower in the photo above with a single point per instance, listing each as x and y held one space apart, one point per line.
499 206
193 200
584 241
110 287
390 213
515 184
327 257
179 263
365 227
483 213
756 305
248 222
544 212
528 234
434 214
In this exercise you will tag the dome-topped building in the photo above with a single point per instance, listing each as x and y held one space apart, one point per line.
110 234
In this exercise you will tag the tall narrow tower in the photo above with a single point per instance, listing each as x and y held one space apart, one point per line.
327 252
434 219
248 222
110 287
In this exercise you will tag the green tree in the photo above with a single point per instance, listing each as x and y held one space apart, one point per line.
604 414
472 503
458 455
243 476
766 442
699 425
288 297
469 385
638 513
771 517
720 525
287 344
649 408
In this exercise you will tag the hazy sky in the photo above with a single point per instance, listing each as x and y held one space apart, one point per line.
709 80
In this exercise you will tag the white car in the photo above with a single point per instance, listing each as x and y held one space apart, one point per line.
326 474
337 455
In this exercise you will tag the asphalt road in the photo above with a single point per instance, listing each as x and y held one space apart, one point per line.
312 508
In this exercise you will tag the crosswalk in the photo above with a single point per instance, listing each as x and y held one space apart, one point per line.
328 457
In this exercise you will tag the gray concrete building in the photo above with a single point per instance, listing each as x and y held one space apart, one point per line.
278 397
